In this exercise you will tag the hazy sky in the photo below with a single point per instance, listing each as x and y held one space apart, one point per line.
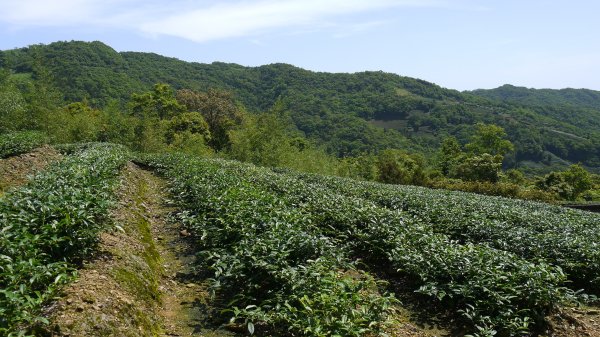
459 44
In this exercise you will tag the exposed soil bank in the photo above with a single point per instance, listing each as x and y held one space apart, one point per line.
14 171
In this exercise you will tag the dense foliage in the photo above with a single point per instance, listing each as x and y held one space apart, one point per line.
488 288
48 226
20 142
560 236
348 114
268 259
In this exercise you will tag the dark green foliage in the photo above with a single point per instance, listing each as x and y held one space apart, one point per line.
540 97
268 259
398 167
491 288
12 111
159 103
491 139
488 288
20 142
338 111
484 167
266 139
449 155
569 184
220 111
559 236
48 227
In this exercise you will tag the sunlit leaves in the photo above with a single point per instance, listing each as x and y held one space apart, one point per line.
49 226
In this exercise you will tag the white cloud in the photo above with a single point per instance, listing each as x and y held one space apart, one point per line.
360 27
46 13
66 13
198 21
238 19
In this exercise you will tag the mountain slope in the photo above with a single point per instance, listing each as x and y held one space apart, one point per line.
583 98
346 113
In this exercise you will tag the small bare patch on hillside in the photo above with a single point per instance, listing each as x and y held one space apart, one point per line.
14 171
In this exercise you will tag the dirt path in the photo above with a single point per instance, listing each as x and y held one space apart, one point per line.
185 307
140 282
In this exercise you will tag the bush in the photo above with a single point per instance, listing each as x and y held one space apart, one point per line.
20 142
48 227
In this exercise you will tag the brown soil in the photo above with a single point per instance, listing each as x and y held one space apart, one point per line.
116 293
406 324
186 307
575 322
15 171
140 282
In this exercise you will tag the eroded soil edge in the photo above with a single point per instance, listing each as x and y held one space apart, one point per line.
15 171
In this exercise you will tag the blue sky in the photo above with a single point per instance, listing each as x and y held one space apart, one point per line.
459 44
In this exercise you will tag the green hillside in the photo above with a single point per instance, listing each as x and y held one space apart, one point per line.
346 113
582 98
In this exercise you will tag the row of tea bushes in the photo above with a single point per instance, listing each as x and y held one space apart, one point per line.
48 226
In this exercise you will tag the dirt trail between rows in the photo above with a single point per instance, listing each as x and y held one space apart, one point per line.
141 281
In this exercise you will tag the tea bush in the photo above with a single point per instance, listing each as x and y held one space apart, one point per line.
20 142
269 260
267 235
560 236
48 226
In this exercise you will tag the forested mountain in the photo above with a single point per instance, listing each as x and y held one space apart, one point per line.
582 98
348 114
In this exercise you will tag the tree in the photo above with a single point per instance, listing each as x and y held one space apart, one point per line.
12 111
44 98
515 176
579 179
219 109
188 132
569 184
449 153
261 140
489 138
76 122
159 103
362 166
152 109
399 167
484 167
117 126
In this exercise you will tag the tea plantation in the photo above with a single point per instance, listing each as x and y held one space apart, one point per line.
265 234
294 254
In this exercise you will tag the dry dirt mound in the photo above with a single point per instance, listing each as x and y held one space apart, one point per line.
117 293
14 171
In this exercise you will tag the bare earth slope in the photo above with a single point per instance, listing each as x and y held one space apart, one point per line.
14 171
